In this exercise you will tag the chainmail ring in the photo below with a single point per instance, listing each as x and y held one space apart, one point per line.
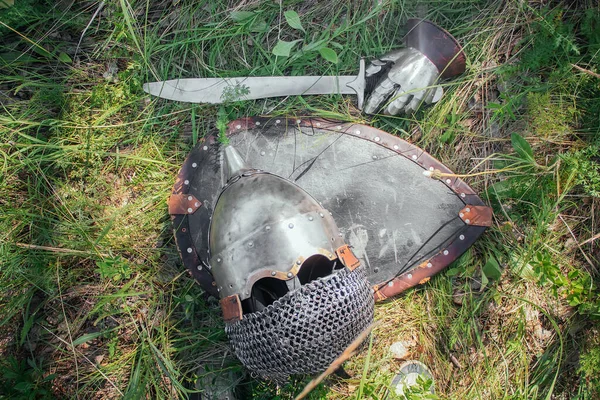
304 331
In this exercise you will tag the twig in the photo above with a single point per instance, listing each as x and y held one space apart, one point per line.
58 250
455 361
591 239
62 304
577 243
349 352
586 71
100 7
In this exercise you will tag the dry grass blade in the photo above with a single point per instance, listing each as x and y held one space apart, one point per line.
578 244
586 71
58 250
349 352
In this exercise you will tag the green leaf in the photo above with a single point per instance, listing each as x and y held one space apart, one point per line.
259 25
484 281
240 16
293 20
329 54
64 57
41 51
283 48
23 386
84 338
522 147
492 269
502 189
28 323
453 271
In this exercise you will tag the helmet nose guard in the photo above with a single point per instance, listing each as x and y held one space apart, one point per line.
264 226
293 294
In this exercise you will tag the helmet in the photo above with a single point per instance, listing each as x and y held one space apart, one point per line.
293 294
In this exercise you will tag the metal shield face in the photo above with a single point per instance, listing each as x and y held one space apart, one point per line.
404 226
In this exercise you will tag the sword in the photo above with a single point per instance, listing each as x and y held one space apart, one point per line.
221 90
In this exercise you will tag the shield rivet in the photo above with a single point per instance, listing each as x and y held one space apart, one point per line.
461 215
298 121
321 215
376 269
391 283
429 265
238 127
199 267
467 209
445 252
462 237
250 244
377 139
414 157
448 181
205 148
197 204
467 221
194 165
218 260
318 124
190 210
462 195
186 182
357 132
374 157
257 123
277 121
338 127
289 275
431 168
262 153
310 218
190 198
340 234
290 226
267 228
273 273
189 250
298 262
409 276
395 147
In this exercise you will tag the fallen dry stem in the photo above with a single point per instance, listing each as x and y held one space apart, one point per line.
349 352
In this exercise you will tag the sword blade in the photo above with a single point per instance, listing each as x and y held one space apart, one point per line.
220 90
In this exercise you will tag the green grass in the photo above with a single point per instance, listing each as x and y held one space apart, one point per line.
94 300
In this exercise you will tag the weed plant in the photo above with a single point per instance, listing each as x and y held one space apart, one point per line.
94 300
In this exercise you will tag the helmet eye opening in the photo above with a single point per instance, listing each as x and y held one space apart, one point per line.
265 291
315 267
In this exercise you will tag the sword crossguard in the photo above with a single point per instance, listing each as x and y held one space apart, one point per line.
359 84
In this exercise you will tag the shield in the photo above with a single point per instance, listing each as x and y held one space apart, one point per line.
403 225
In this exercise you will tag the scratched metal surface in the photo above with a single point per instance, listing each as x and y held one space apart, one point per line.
384 206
